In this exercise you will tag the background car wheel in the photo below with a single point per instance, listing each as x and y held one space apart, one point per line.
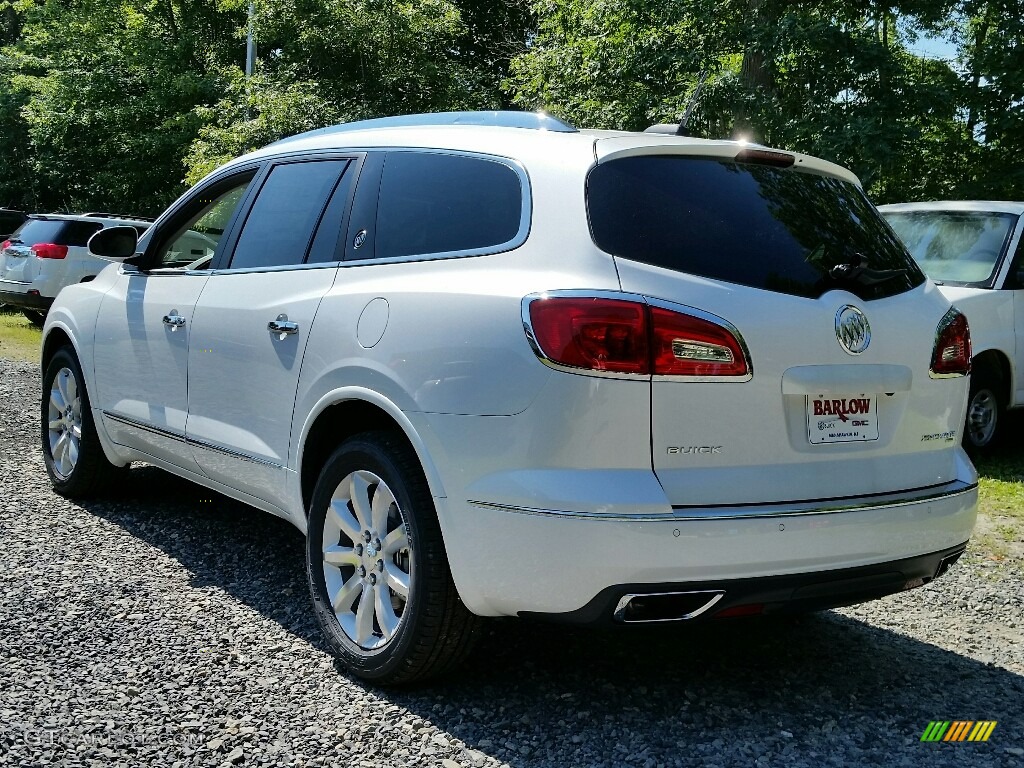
71 449
378 573
985 412
36 318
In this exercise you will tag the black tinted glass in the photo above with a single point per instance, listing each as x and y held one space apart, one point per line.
58 231
778 229
433 203
278 229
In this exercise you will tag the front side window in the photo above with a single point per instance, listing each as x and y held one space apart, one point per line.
778 229
961 247
194 243
433 203
279 228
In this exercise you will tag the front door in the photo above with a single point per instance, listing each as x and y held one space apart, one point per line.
144 329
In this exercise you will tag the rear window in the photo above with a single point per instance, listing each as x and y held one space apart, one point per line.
778 229
58 231
962 247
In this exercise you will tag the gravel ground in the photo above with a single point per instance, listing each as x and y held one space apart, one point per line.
170 626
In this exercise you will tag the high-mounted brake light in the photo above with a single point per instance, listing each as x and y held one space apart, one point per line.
952 353
626 336
49 250
765 157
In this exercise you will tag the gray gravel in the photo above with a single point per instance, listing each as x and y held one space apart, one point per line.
169 626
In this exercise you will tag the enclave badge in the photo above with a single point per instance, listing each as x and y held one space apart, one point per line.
852 329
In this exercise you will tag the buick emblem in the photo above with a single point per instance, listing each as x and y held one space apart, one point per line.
852 329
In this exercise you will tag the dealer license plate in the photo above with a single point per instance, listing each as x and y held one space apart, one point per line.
842 418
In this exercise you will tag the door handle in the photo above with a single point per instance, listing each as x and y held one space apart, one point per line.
174 320
282 326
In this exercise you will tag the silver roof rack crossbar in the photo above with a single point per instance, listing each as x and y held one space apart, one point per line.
538 121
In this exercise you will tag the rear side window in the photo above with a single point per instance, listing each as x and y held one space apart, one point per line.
57 231
778 229
280 225
433 204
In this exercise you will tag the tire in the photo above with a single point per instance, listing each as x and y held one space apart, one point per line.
361 556
74 458
36 318
986 411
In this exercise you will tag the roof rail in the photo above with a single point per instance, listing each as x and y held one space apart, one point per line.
102 215
540 121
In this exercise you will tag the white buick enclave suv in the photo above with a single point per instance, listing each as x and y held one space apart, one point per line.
492 365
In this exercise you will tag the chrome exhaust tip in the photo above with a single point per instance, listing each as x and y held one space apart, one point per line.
649 607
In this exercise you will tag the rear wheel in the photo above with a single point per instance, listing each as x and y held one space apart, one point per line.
985 412
378 573
36 318
72 452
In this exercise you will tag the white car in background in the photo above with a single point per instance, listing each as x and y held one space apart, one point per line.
49 251
492 365
972 251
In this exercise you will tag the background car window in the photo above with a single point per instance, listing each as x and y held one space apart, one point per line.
954 246
58 231
197 240
278 229
433 203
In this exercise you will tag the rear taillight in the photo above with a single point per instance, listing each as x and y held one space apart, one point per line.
952 353
49 251
627 336
686 345
599 334
5 245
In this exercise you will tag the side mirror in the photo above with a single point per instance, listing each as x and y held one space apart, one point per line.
114 243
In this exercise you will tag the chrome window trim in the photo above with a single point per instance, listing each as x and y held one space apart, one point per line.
531 337
753 511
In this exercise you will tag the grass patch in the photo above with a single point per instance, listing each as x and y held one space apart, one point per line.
19 339
1000 531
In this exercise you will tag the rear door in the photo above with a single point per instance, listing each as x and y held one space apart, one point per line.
252 322
836 321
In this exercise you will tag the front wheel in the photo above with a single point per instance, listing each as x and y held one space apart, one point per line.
378 573
74 458
985 412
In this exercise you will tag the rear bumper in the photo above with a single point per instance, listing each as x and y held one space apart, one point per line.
638 603
511 561
16 294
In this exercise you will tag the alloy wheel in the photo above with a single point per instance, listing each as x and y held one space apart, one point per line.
64 422
367 559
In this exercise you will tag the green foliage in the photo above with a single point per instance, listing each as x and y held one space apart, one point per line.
118 104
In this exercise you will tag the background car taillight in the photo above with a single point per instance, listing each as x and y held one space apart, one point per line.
49 250
952 353
624 336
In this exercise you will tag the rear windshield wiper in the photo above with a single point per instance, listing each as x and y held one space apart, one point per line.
857 271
